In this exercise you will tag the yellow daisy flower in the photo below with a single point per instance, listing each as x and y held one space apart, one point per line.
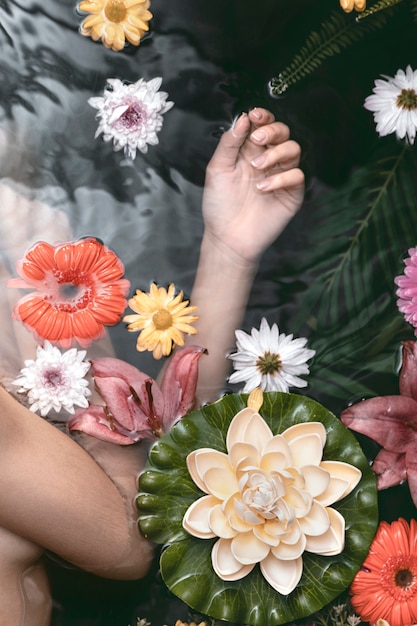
162 318
349 5
113 21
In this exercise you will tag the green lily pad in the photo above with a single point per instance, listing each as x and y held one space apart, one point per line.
167 490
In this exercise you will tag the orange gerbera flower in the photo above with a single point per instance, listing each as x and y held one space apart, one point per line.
386 586
78 290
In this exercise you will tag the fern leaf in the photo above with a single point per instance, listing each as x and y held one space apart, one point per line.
337 33
378 6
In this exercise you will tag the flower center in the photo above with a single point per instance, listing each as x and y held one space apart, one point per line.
134 116
269 363
407 99
115 11
52 378
404 578
162 319
72 291
398 577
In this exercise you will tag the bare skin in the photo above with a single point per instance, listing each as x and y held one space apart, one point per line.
55 495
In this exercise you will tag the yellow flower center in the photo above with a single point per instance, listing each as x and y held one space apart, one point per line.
269 363
407 99
115 11
162 319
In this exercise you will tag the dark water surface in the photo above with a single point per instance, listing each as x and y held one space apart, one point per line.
216 59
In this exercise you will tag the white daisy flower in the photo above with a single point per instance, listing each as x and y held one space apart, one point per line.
394 105
269 359
55 380
131 114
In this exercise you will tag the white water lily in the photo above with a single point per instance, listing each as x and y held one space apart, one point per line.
131 114
55 380
269 359
268 500
394 105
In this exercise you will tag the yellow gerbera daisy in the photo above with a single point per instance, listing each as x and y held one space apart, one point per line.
162 318
113 21
349 5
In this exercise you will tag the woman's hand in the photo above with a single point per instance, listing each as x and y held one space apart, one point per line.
253 186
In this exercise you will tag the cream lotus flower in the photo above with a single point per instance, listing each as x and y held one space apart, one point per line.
268 500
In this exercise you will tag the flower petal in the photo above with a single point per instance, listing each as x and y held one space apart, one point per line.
333 540
248 426
93 422
316 522
339 473
408 374
247 548
390 468
201 460
224 563
196 518
306 449
283 576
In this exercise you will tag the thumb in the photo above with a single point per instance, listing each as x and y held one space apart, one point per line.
226 154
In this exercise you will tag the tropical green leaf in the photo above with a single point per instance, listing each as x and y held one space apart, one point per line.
167 490
350 260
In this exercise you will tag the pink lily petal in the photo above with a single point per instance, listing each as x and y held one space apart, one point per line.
390 468
93 422
408 374
179 384
390 420
411 462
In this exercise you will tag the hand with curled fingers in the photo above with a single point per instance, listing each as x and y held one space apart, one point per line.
253 185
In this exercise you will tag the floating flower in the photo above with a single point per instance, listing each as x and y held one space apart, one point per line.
269 359
349 5
135 406
394 105
392 422
79 290
113 21
162 318
407 289
55 380
131 114
268 500
386 586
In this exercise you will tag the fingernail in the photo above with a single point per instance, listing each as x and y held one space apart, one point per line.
259 135
259 161
256 114
263 185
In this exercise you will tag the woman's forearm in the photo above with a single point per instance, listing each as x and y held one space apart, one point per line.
221 292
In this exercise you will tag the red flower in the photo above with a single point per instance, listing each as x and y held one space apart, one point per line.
136 407
78 290
386 585
392 422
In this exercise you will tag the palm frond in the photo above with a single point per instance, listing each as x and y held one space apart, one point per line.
338 32
350 260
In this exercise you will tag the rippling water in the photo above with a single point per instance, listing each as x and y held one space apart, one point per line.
215 59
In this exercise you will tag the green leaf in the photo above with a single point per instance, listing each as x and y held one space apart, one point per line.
167 490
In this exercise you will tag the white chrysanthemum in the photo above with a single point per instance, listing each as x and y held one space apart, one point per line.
269 359
55 380
131 114
394 105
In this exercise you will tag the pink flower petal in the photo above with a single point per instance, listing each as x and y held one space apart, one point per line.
93 422
408 374
390 468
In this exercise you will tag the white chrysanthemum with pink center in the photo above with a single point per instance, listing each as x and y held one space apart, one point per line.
130 115
394 105
268 500
55 380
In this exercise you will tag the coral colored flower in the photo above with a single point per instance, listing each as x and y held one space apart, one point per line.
349 5
113 21
135 407
78 290
394 105
162 318
268 500
55 380
407 289
131 114
385 588
392 422
269 359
